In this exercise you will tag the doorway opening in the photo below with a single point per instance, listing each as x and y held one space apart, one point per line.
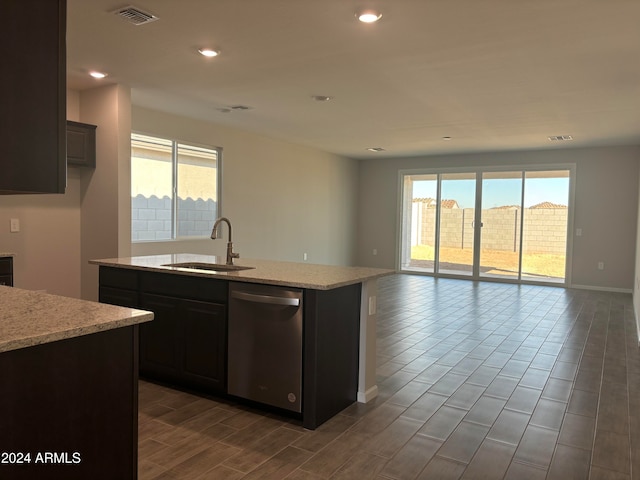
509 225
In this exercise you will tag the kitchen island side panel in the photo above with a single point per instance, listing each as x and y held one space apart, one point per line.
75 400
331 349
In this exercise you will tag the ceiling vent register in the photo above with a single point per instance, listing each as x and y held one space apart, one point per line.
134 15
560 138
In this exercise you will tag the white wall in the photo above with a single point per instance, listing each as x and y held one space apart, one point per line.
283 200
606 207
105 208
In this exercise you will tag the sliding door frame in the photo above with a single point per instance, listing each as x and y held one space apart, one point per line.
404 198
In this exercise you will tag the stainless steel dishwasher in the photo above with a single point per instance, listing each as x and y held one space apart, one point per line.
265 344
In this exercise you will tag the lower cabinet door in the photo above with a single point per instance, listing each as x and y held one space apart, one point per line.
204 347
185 343
159 339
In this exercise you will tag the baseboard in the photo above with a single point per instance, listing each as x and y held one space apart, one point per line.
367 396
602 289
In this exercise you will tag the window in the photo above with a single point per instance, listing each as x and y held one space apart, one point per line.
174 189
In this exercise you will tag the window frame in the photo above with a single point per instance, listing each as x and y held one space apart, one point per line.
175 142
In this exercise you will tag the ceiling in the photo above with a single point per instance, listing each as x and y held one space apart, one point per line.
492 74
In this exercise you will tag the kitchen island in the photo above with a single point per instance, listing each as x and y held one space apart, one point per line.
68 377
191 304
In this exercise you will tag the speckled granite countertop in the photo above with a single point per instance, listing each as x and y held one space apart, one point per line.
290 274
6 254
29 318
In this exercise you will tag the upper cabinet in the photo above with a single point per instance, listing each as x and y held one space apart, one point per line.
33 96
81 144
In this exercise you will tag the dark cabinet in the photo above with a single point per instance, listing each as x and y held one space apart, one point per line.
159 339
33 96
81 144
204 345
186 343
6 271
74 395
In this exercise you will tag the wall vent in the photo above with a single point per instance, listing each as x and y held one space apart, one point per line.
134 15
560 138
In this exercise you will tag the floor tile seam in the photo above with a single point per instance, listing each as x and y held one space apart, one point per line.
228 444
586 449
533 465
493 395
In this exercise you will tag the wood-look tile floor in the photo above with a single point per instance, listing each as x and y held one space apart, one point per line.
477 381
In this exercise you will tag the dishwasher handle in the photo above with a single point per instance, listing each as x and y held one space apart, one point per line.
270 299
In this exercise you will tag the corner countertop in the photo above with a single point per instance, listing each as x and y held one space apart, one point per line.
290 274
29 318
6 254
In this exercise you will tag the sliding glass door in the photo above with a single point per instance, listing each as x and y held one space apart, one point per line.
456 208
487 224
500 229
545 225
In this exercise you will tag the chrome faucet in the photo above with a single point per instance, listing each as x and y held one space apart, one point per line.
214 235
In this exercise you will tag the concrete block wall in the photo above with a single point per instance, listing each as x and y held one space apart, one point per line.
544 229
151 217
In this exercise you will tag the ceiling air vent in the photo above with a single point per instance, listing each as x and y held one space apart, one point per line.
560 138
134 15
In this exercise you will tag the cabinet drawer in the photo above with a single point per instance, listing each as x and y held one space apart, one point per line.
119 296
183 286
119 278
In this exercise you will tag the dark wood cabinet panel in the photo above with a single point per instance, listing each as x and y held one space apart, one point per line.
81 144
186 343
118 296
33 96
331 347
6 271
77 395
161 338
205 345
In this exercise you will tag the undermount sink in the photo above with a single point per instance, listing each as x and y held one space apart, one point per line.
214 267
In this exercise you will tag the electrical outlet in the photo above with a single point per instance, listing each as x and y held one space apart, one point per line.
304 256
372 305
375 251
15 225
600 265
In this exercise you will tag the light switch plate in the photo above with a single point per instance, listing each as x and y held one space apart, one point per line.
15 225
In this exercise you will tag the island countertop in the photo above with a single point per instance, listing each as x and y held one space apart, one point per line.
29 318
291 274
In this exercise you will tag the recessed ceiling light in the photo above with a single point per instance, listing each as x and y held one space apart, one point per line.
375 149
96 74
368 16
446 138
321 98
209 52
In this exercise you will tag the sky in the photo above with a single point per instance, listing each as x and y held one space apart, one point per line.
498 192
